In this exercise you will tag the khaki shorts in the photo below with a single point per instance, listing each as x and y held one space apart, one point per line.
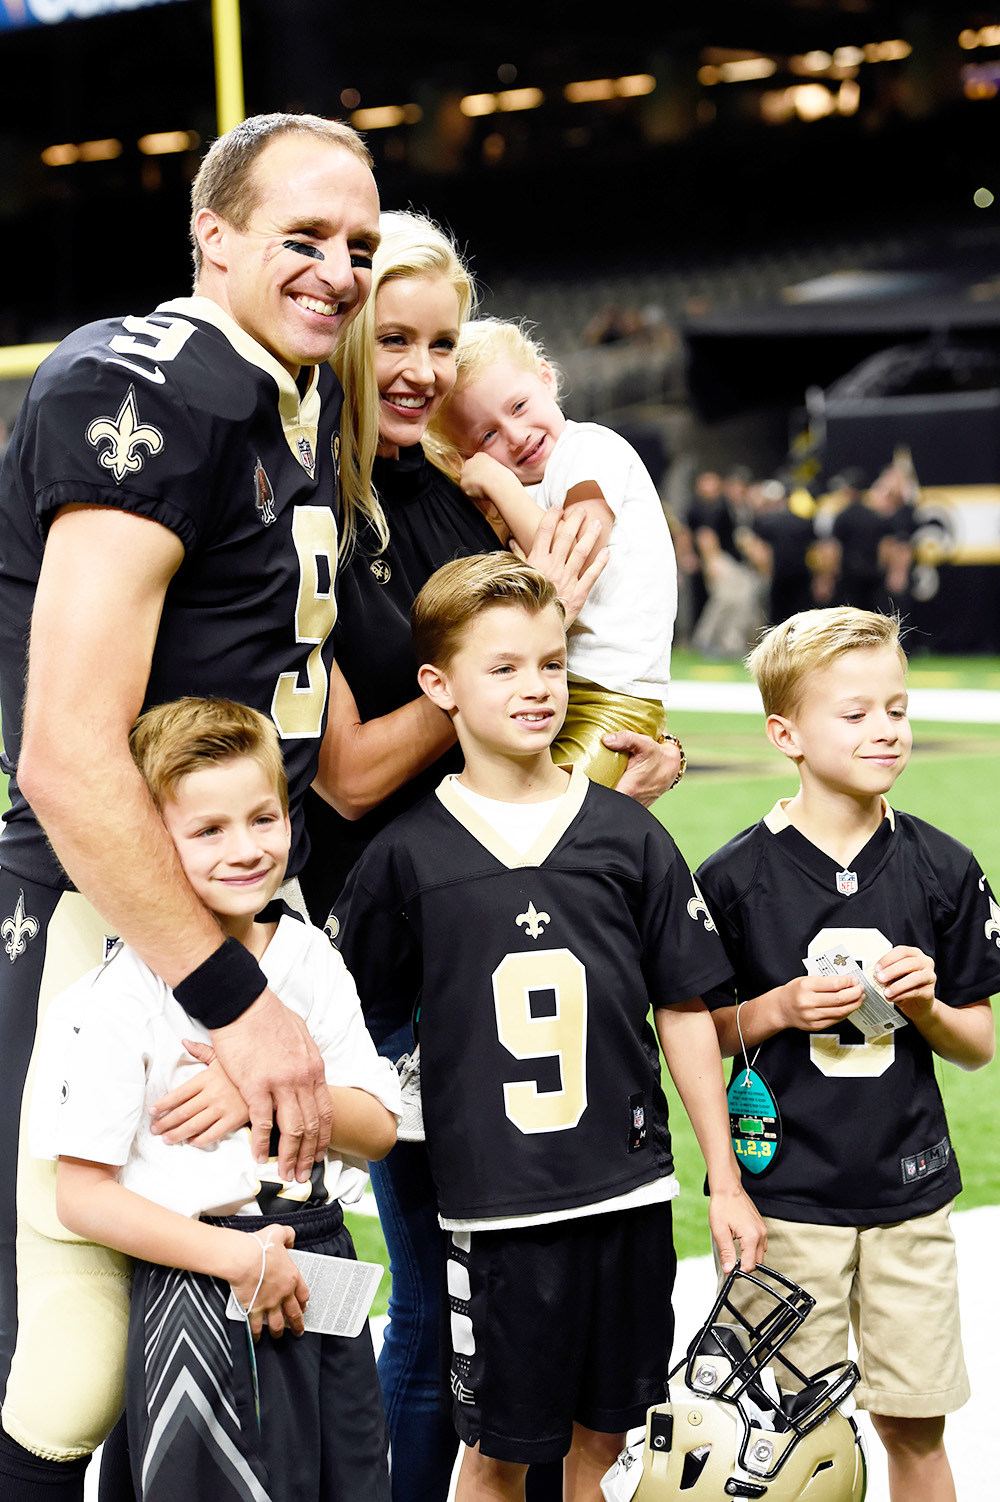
896 1286
594 712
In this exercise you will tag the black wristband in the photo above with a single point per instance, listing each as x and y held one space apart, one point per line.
223 986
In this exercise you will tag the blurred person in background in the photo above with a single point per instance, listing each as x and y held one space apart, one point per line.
776 540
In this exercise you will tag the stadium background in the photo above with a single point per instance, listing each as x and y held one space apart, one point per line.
783 189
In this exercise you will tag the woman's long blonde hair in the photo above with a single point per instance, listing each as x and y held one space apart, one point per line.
411 245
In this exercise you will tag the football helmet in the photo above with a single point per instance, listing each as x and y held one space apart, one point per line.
728 1430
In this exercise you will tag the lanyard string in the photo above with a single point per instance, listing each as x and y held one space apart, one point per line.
246 1315
747 1061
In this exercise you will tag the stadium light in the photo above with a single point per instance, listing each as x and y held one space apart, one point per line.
848 97
100 151
163 142
519 99
634 85
507 100
813 101
631 86
60 156
887 52
746 69
810 62
87 151
382 117
589 90
986 36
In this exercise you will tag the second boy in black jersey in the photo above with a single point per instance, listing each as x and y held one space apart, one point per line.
858 1174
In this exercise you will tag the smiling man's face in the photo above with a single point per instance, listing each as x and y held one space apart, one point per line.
296 302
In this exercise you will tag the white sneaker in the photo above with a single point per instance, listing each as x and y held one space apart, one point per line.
411 1127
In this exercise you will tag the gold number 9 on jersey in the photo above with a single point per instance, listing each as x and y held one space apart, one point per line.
562 1036
298 710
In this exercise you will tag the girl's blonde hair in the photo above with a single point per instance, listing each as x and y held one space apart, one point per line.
481 344
411 245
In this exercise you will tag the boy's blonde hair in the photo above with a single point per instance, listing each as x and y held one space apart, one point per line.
188 735
455 596
482 343
811 640
411 245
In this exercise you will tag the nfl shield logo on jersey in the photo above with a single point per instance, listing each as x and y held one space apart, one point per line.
847 883
306 454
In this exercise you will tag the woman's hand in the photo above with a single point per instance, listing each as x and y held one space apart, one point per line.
652 765
562 552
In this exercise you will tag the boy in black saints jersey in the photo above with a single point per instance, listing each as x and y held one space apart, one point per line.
536 917
831 907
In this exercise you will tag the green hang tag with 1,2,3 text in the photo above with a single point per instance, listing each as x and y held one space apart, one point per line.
754 1121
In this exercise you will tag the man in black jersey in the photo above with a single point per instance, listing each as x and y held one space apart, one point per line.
169 527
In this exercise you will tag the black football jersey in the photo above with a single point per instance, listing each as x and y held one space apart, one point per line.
430 523
534 975
864 1135
182 418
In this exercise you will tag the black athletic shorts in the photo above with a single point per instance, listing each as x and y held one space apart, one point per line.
556 1324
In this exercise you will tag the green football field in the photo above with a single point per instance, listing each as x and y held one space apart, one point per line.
734 776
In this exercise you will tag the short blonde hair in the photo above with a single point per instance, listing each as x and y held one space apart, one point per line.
411 245
810 640
226 181
482 343
187 735
460 591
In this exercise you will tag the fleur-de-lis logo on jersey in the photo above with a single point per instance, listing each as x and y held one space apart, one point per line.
992 927
533 921
18 929
698 905
124 436
263 494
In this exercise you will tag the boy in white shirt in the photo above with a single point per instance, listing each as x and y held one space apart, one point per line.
209 1416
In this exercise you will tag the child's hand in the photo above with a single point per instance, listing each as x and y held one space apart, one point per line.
283 1293
909 980
204 1108
477 472
732 1216
817 1002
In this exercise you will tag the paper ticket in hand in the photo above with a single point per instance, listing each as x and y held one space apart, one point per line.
340 1293
875 1016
